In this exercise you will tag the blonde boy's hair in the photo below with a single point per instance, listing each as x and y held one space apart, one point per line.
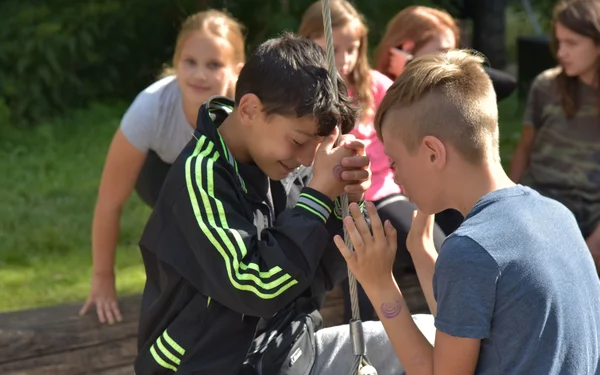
448 96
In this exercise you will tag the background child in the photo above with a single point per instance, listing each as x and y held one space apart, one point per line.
227 242
559 151
419 30
367 86
208 56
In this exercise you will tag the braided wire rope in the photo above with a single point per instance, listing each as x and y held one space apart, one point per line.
360 359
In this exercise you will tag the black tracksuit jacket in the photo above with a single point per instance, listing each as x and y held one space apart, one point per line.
224 247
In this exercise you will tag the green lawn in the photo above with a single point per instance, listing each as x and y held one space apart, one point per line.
48 189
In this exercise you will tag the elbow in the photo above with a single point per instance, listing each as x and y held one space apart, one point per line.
524 146
108 207
265 310
265 304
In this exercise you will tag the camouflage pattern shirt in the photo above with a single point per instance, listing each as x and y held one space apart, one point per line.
565 158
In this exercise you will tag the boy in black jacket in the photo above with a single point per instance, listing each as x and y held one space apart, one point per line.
228 241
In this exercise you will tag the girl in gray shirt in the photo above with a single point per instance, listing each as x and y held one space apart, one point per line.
209 54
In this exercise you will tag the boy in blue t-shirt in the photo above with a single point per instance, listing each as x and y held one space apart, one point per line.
514 290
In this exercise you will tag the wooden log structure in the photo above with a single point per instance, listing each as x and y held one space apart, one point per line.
56 340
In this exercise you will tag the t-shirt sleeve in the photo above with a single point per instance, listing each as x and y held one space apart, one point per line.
533 109
381 84
140 122
464 285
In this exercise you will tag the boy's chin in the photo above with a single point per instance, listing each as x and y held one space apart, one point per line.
277 175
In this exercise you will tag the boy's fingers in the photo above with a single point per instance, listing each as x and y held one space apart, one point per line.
355 145
329 141
354 235
341 245
356 161
355 175
376 226
391 235
360 223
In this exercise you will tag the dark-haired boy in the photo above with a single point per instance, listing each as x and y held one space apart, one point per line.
237 233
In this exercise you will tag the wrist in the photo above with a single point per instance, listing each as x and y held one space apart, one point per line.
380 287
422 245
322 188
104 273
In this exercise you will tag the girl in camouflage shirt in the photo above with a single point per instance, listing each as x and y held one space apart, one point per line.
559 150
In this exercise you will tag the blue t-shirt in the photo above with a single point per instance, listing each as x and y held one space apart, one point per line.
518 275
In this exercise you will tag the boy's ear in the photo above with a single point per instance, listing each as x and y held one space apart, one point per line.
436 151
249 109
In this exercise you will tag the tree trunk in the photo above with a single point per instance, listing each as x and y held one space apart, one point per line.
489 29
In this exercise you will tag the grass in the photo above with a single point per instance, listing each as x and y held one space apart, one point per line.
50 175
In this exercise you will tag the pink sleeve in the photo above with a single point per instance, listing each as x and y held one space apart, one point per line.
380 84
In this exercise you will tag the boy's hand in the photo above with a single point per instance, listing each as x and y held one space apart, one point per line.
357 169
373 256
328 173
420 235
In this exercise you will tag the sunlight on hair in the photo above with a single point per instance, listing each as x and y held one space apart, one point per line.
216 23
449 96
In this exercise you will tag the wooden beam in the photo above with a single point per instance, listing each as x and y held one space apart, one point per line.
55 340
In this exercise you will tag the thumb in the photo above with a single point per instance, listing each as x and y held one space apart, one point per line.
329 141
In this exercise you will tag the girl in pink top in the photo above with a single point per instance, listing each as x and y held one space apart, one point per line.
368 87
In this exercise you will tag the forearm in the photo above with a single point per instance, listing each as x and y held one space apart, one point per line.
412 348
424 261
105 234
255 271
519 163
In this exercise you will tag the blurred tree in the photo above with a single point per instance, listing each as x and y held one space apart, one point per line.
61 54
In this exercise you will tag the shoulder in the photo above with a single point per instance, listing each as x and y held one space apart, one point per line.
380 81
464 257
379 85
162 92
146 115
154 97
546 79
460 250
